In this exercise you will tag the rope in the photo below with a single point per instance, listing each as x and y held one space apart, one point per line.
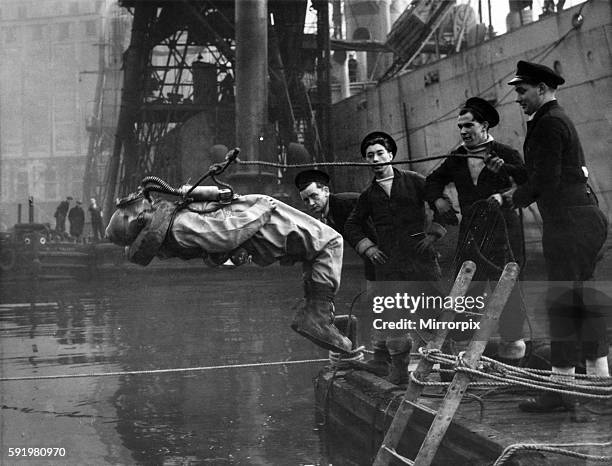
490 219
558 448
350 164
596 388
342 361
162 371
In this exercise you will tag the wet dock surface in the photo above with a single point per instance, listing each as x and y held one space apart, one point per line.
162 320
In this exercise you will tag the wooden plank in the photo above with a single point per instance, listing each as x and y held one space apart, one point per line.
471 358
400 421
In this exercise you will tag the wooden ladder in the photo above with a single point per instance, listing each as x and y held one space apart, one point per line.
460 382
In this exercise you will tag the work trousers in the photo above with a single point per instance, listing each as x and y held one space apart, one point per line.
420 275
505 245
576 311
326 267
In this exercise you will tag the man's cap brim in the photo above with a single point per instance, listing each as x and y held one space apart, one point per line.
517 80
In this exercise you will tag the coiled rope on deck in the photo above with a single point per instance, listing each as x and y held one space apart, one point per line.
557 448
504 375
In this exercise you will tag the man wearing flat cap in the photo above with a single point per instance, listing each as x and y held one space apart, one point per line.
574 228
330 208
403 251
481 168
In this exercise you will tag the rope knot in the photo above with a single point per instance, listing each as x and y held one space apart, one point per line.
340 361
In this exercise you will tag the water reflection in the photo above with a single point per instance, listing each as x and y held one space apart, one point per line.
260 415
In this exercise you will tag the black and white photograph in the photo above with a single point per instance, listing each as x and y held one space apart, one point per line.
305 232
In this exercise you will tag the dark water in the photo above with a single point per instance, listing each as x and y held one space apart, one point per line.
159 320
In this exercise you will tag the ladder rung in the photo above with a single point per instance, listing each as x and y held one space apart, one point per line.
392 452
414 404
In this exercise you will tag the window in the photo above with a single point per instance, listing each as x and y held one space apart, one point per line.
74 8
361 34
37 122
77 174
10 34
65 137
22 186
64 105
37 32
91 27
63 31
7 184
11 115
51 184
22 12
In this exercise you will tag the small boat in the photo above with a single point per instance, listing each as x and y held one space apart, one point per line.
35 251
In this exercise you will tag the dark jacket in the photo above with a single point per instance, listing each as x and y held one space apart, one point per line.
554 161
455 170
574 228
76 216
96 215
340 207
396 218
62 209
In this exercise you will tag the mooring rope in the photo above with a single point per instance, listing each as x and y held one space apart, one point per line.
162 371
596 387
558 448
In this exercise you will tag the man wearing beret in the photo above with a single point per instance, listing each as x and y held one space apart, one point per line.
403 251
330 208
574 229
476 179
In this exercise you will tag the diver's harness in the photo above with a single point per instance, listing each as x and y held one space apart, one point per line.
153 238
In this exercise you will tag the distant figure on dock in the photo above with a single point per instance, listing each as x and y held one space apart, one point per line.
353 70
395 204
252 225
549 7
329 208
476 180
60 214
76 217
574 229
95 214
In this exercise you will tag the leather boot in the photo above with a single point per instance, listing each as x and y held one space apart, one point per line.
315 319
379 364
398 374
